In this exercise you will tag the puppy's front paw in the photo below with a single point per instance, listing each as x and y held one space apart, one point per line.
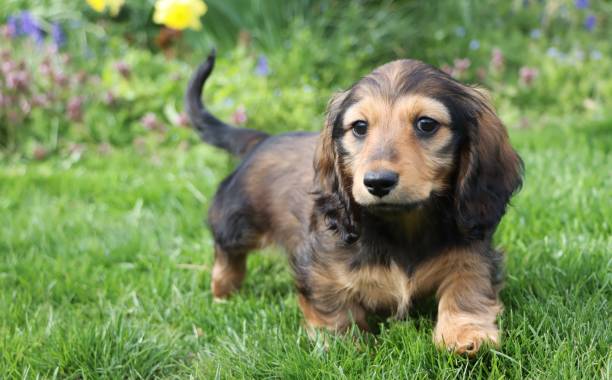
465 339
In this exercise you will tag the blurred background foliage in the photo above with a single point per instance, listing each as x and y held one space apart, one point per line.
71 77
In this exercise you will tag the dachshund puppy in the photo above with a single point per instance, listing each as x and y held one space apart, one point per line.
398 197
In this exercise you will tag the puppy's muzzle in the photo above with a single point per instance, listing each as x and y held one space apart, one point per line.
380 183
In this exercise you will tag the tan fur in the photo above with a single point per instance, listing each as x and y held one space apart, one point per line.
350 258
494 148
392 144
337 322
325 153
227 274
375 287
468 305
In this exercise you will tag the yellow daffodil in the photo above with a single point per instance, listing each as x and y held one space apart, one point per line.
97 5
179 14
114 6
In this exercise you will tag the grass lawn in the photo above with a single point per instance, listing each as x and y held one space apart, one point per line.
105 268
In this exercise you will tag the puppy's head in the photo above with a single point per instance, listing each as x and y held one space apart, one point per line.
408 133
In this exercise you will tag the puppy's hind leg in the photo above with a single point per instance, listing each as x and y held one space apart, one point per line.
236 233
228 272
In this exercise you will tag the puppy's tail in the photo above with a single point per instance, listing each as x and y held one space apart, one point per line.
237 141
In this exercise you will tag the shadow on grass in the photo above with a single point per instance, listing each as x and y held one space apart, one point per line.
268 275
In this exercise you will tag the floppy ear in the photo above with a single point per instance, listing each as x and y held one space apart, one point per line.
333 201
325 153
490 171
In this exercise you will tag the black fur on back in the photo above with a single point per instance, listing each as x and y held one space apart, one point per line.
235 140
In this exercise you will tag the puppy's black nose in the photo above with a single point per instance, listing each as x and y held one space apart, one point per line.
380 183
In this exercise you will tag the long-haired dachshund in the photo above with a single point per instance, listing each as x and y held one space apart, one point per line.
396 198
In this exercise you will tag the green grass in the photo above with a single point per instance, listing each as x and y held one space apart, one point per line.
94 281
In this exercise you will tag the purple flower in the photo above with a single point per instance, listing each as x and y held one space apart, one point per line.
12 25
481 73
75 109
59 38
150 122
7 67
41 100
27 22
5 32
462 64
109 98
262 68
474 45
40 152
528 75
447 69
582 4
31 27
61 79
239 117
123 68
590 22
45 68
497 59
460 31
17 80
183 120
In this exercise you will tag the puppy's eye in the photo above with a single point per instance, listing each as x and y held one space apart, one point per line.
426 126
360 128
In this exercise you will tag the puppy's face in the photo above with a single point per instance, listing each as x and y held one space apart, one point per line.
397 152
407 132
397 138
